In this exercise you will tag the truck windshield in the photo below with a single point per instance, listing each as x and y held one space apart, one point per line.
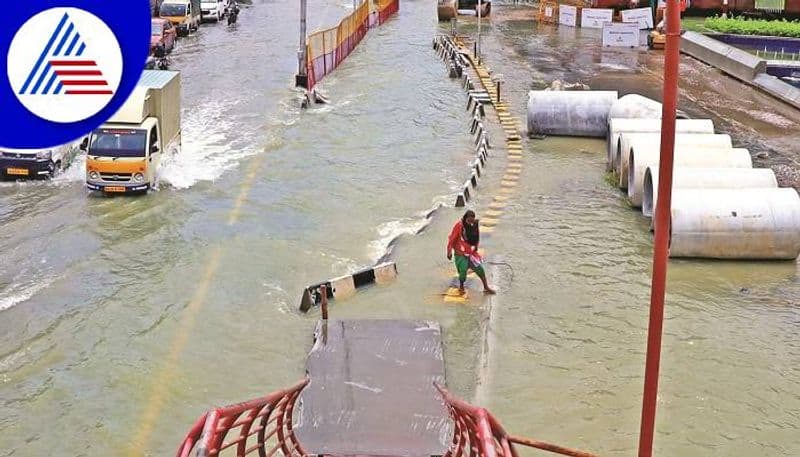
173 9
118 143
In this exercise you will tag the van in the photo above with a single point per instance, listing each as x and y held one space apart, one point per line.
185 15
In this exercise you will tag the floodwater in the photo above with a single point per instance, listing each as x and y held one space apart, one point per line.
122 319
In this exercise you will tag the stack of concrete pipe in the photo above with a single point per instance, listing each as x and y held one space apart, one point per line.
721 206
628 125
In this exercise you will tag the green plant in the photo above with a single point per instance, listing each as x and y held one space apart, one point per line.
744 26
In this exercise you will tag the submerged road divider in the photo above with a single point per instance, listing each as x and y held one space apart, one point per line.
345 286
460 65
482 93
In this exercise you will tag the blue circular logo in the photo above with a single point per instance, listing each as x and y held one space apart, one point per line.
69 67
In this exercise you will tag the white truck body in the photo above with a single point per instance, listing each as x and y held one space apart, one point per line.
124 154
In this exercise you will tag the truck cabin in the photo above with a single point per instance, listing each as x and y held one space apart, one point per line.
174 10
125 140
179 13
130 132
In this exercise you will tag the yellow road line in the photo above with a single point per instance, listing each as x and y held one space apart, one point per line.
162 381
233 217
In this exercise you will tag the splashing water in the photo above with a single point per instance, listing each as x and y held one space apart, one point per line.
209 147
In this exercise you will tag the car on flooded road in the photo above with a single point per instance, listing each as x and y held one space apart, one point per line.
213 10
35 163
162 34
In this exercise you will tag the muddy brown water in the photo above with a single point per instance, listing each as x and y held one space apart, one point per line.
121 320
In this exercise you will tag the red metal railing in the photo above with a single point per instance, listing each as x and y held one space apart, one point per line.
476 433
262 425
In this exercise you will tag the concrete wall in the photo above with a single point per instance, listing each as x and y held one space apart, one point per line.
732 61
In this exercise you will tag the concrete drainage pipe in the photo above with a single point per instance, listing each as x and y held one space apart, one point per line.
616 126
446 10
635 106
705 178
649 140
735 223
641 158
569 113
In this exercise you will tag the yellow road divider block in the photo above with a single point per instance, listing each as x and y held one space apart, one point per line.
510 177
500 198
508 183
507 190
492 213
497 205
513 171
489 222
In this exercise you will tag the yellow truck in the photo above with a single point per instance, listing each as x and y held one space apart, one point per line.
185 15
123 155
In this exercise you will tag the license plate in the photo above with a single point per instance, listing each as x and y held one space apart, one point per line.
114 189
17 171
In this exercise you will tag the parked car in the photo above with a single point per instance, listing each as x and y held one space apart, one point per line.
36 163
213 10
162 33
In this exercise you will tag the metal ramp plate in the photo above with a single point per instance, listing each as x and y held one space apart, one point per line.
371 390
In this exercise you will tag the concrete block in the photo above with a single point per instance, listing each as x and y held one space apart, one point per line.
733 61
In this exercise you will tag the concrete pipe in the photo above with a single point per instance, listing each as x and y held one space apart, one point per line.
618 126
446 10
642 158
569 113
705 178
735 223
650 140
635 106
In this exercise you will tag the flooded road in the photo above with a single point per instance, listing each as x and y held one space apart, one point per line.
122 319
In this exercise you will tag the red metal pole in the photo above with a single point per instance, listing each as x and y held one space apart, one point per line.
662 228
323 289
